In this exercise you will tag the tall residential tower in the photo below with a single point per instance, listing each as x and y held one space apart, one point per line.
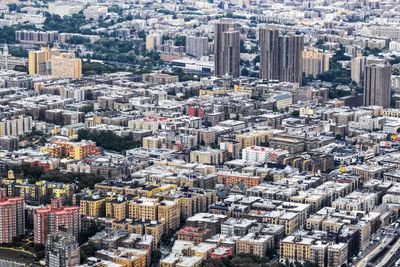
226 49
377 84
280 55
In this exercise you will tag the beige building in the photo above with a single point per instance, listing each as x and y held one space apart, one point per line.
143 208
169 212
39 62
337 254
315 62
66 65
152 41
15 126
153 142
358 67
255 138
290 220
296 248
329 255
93 206
210 156
254 244
116 209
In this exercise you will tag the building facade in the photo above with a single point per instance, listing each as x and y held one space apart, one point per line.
226 49
49 219
12 217
66 66
377 85
280 55
62 250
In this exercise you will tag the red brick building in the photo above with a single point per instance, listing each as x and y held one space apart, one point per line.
194 234
49 219
12 217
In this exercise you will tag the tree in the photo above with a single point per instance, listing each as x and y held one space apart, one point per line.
88 250
7 35
78 40
18 51
93 228
155 257
66 24
38 247
108 140
269 178
245 72
21 68
320 44
180 41
374 51
243 48
12 7
116 9
309 264
306 79
295 113
28 171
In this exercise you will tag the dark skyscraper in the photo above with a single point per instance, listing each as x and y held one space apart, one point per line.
231 53
226 49
269 42
280 55
377 84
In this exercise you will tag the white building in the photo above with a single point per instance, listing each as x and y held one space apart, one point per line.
65 8
197 46
16 126
262 154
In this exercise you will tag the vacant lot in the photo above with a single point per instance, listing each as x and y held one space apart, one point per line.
16 255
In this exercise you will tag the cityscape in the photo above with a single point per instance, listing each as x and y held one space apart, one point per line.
208 133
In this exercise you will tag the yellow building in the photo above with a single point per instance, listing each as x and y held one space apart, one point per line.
169 212
66 65
132 258
153 228
296 248
391 112
332 225
152 41
254 138
60 190
254 244
306 111
314 222
116 209
290 220
151 190
181 261
203 250
156 230
39 62
210 156
212 92
54 150
315 62
143 209
74 150
93 206
152 142
240 89
195 203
